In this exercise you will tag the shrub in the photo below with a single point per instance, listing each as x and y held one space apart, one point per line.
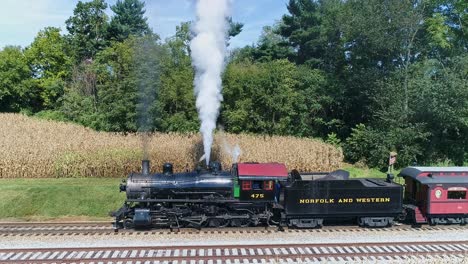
373 146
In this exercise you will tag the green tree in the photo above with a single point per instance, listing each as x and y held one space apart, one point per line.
312 28
50 63
260 97
15 81
378 37
88 29
148 71
177 111
117 87
272 46
315 105
439 98
235 28
302 28
373 144
435 127
455 22
81 97
117 90
128 20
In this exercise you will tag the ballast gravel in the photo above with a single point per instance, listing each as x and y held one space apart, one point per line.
230 238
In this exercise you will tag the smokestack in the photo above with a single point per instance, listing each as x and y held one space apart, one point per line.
215 166
167 168
145 167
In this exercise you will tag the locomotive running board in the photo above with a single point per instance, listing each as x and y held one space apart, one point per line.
180 201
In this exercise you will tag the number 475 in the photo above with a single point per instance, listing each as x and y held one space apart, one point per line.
257 195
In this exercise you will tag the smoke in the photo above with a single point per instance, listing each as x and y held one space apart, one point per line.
208 49
147 74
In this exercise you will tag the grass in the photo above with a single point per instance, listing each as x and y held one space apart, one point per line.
66 199
364 172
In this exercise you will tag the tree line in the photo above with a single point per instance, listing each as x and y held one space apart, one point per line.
368 76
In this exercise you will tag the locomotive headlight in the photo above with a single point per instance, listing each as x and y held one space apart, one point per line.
438 193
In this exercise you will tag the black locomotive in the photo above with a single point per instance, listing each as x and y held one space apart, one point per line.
204 197
251 194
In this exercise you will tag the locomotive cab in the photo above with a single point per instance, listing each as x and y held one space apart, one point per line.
260 182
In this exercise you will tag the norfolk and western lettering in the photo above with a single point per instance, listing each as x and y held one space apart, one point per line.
345 200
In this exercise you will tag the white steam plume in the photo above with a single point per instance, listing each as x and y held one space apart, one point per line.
234 151
208 49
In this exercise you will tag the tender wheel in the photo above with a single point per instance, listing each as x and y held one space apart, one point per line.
375 221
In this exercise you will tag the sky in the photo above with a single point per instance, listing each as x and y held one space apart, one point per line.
20 20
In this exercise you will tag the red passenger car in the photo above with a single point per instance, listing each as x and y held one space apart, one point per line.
436 195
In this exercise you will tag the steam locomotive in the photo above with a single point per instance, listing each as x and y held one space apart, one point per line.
253 194
205 197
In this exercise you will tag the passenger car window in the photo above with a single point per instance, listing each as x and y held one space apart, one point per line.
456 195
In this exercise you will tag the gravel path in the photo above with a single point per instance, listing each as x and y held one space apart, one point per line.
141 239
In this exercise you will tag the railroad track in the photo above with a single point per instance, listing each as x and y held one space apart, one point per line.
242 253
105 228
54 228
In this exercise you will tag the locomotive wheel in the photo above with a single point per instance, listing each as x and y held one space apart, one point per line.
183 224
195 225
128 223
220 222
241 222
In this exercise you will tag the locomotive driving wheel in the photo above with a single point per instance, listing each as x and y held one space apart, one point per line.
221 220
242 221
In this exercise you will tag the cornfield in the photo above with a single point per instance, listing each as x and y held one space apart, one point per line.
34 148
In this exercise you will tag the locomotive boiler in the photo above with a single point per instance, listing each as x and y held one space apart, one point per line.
210 183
